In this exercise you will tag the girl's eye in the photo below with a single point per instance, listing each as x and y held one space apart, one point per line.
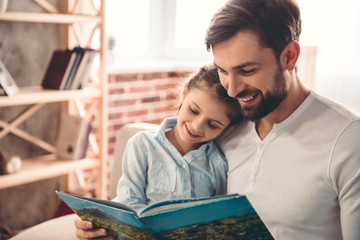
193 111
212 125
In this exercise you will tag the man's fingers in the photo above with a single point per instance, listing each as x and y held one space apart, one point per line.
81 224
85 231
88 234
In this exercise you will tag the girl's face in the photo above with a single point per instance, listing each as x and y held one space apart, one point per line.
201 118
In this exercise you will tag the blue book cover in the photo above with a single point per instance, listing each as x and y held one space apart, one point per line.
219 217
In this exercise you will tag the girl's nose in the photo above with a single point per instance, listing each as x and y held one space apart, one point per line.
198 125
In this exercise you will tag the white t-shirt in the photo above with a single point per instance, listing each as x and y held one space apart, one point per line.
303 179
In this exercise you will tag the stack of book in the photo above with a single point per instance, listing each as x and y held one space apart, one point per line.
73 137
69 69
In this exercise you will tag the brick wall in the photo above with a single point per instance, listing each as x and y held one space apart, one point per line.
142 97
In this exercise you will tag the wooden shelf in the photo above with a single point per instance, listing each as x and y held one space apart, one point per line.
32 95
45 167
47 18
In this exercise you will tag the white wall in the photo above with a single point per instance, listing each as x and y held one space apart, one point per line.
334 27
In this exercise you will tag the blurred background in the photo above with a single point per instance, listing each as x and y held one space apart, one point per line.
164 32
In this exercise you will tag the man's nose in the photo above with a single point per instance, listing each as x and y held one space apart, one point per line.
234 85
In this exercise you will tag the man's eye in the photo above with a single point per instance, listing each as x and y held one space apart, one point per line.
247 71
221 71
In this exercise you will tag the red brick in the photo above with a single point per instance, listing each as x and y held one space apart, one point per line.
118 126
124 77
110 152
140 89
172 96
137 113
162 87
115 115
151 99
116 91
127 102
151 76
169 86
111 139
179 74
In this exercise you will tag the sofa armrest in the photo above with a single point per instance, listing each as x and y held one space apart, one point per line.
122 136
61 228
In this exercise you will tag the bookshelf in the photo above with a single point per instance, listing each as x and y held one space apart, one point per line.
95 96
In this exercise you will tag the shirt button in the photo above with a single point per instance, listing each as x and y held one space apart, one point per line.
183 166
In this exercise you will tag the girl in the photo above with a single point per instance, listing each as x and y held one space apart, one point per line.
180 160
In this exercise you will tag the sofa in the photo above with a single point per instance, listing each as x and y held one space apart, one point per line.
62 228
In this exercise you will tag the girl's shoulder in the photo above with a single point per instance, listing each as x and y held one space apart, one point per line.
144 135
215 154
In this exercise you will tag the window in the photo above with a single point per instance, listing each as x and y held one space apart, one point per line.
192 19
160 29
127 25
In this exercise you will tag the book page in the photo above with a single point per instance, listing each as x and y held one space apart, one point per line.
180 203
108 203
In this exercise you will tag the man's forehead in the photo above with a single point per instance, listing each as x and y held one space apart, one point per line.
243 49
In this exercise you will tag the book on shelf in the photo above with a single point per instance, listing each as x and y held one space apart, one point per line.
73 137
8 86
84 144
68 69
218 217
82 74
89 71
58 69
79 55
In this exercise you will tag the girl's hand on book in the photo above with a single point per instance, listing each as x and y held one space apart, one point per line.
85 230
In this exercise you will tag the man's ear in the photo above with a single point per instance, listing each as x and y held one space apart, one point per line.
290 55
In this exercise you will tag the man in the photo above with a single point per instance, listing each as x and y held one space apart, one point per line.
296 155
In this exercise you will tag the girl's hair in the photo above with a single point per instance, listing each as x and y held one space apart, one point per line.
276 22
207 78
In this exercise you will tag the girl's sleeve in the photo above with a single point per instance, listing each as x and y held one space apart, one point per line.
220 168
132 184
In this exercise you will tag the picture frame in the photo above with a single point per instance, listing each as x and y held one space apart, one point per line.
8 86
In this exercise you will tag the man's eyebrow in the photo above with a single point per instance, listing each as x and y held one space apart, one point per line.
246 64
217 66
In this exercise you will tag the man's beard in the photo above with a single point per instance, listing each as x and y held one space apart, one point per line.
270 101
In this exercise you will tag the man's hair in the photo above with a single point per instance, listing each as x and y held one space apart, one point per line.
276 22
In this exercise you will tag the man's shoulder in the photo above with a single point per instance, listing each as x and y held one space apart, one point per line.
335 109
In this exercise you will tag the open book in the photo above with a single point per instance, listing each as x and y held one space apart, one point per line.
219 217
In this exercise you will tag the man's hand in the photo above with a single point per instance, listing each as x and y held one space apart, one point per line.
85 230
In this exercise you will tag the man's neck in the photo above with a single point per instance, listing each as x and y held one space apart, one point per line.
296 95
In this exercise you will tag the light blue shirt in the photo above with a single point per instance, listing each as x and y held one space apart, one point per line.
153 170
